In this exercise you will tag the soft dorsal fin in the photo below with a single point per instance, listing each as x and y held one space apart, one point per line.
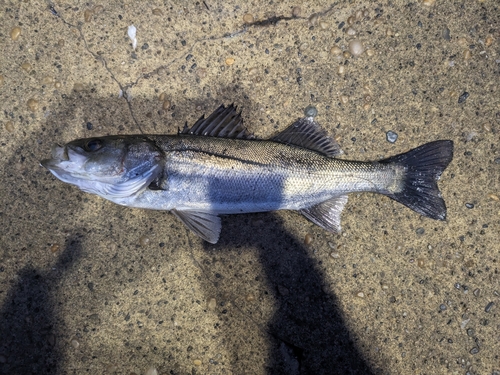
223 122
307 133
327 214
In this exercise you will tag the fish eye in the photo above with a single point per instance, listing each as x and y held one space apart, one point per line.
92 145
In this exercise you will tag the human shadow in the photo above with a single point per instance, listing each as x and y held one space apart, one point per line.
307 334
30 326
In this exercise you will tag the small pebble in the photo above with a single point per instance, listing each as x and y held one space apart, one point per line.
78 87
57 84
9 126
296 12
346 54
391 137
344 99
335 255
144 241
446 33
421 262
360 295
488 41
341 69
47 80
469 205
166 105
308 239
370 52
351 20
489 306
87 15
442 307
26 67
89 126
467 55
429 3
229 61
157 12
351 31
32 105
335 51
283 290
211 304
463 97
474 350
197 362
98 9
15 33
313 19
323 25
250 297
356 47
54 248
491 196
389 32
152 371
477 292
248 18
75 344
310 111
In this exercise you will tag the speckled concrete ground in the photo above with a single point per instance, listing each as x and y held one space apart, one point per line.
87 286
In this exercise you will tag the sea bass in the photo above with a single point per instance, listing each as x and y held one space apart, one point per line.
216 168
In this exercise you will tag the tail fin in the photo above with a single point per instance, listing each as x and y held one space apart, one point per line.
423 167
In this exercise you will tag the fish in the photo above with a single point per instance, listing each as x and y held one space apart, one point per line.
217 167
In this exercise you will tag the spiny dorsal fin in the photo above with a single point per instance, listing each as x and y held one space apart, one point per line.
327 214
307 133
223 122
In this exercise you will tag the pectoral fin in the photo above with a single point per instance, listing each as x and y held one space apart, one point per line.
327 214
204 224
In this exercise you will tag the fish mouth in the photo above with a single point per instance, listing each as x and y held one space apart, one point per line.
59 154
65 164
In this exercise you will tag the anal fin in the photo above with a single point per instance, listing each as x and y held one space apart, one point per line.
327 214
204 224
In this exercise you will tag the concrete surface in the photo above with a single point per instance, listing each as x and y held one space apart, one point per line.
88 287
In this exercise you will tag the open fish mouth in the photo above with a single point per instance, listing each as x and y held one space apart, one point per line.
64 163
60 153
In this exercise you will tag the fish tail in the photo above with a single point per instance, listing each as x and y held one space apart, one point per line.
422 168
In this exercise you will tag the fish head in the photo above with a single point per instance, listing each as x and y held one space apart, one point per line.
112 167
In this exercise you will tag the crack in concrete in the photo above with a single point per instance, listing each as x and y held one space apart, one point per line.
271 21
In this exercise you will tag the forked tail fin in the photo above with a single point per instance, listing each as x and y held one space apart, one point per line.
423 167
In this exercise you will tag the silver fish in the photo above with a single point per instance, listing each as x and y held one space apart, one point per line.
215 168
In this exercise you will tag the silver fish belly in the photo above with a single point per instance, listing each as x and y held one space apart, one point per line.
215 168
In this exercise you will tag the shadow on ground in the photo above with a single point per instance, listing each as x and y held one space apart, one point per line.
307 334
30 322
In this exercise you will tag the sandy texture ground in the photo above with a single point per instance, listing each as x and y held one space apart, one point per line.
88 287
